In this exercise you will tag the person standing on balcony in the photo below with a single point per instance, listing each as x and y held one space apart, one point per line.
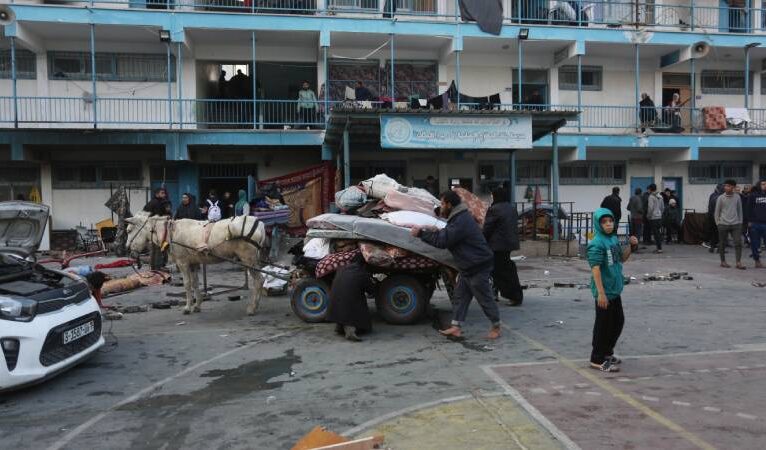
465 241
729 217
654 214
636 209
307 105
614 203
756 218
502 235
648 112
361 93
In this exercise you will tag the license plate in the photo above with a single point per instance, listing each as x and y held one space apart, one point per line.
78 332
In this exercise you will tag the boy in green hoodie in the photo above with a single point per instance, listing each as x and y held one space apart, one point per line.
605 256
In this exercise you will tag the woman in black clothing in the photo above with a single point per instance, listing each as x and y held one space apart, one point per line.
501 233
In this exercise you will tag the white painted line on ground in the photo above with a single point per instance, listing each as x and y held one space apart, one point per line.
67 438
650 399
743 367
747 416
646 378
703 370
595 394
531 410
712 409
677 403
624 380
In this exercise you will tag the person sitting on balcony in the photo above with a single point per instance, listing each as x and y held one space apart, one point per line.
648 113
362 94
307 105
536 99
673 113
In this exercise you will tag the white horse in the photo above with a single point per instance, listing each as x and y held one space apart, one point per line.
191 243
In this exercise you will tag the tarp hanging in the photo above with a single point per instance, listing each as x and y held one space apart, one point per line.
488 14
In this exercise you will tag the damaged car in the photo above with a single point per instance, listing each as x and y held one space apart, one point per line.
49 320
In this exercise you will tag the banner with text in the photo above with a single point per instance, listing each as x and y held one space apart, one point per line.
459 132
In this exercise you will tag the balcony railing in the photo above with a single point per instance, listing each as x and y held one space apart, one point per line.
152 113
680 15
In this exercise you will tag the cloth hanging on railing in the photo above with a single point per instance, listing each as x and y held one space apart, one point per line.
488 14
443 100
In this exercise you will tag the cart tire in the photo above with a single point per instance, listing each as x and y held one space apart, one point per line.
401 300
310 299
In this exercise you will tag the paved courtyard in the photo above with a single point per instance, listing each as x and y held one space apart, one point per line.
694 372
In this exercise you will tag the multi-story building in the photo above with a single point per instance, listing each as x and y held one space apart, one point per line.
95 94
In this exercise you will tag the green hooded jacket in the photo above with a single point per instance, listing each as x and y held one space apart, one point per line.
239 208
605 251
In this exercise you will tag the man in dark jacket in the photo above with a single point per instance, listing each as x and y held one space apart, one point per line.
614 203
187 209
348 299
501 232
159 205
645 205
636 209
712 228
464 239
755 214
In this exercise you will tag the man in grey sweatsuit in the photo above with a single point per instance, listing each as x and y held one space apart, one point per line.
654 215
728 216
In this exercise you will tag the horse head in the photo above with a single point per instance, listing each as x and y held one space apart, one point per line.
140 229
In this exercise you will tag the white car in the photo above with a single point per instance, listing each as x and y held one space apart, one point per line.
49 321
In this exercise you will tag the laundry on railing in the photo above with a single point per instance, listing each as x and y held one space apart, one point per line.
737 117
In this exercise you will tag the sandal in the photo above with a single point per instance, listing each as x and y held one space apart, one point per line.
494 333
741 266
452 331
725 265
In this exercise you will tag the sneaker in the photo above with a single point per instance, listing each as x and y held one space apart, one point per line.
615 360
706 245
606 366
658 251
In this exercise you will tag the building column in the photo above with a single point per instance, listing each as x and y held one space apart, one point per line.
346 159
555 184
512 176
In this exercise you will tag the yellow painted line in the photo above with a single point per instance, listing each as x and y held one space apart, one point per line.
619 394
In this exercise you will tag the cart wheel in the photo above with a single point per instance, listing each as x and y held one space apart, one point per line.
401 300
310 299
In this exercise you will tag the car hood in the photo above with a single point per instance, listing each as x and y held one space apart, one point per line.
22 225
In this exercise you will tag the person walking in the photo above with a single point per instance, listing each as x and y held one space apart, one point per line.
464 239
187 209
756 218
636 209
307 105
728 218
671 219
654 214
501 232
605 257
614 203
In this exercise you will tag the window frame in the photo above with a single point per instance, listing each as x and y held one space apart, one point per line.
572 69
593 177
98 171
705 75
719 167
521 165
112 61
23 57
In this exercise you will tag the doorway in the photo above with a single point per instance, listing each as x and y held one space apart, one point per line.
640 182
227 178
677 83
675 184
534 87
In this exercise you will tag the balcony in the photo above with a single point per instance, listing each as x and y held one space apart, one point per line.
706 16
206 114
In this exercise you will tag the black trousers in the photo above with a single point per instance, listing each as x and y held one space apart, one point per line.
656 226
607 330
505 278
647 231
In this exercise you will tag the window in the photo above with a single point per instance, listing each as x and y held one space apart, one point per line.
26 65
110 66
592 78
717 171
18 182
606 172
533 172
354 4
75 176
726 82
362 170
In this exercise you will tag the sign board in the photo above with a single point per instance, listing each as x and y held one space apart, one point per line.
497 132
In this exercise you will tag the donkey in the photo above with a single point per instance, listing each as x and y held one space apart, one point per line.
191 243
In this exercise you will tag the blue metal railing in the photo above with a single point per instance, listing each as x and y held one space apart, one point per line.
294 114
598 13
